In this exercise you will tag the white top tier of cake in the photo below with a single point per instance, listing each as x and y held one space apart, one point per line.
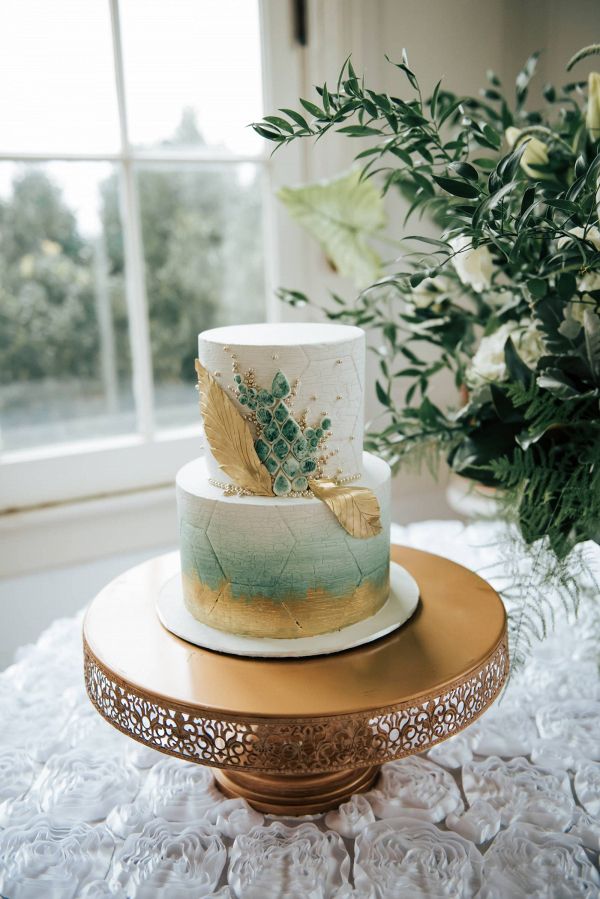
324 365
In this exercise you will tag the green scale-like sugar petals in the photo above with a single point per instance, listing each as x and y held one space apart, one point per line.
280 387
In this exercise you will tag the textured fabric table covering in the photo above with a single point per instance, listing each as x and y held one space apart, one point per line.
509 808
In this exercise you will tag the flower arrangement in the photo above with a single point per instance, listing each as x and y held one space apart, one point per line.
506 297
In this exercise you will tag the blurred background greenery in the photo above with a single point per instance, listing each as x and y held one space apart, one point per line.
64 335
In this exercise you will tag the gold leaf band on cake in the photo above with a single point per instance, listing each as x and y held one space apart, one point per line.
317 612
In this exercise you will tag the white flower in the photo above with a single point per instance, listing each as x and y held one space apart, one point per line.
414 786
535 153
279 860
474 266
488 363
350 817
529 343
498 298
404 856
575 311
591 279
166 859
520 791
592 117
591 235
428 292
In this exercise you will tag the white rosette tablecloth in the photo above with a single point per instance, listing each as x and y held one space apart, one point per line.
510 808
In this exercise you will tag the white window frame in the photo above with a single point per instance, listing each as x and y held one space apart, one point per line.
149 458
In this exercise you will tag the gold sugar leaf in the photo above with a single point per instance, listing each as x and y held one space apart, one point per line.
230 438
356 508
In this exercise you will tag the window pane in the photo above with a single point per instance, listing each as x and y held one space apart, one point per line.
202 231
57 91
64 348
193 72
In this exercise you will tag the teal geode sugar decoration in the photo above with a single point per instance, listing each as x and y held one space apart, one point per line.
290 450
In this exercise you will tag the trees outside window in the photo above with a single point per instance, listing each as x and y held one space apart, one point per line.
133 214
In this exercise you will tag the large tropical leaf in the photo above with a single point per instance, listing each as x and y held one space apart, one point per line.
341 214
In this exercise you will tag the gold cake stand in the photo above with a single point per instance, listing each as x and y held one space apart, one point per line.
297 736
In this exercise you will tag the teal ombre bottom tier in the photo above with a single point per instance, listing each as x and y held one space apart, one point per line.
278 567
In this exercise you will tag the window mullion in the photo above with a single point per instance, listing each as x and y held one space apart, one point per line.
135 285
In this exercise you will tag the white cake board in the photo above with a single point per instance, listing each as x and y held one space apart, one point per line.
400 605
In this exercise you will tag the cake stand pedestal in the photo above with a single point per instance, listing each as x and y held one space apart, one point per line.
298 736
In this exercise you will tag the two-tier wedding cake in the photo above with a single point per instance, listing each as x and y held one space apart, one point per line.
284 522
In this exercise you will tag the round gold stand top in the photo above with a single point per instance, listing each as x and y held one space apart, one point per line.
400 694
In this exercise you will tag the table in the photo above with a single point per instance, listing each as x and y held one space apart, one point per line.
509 808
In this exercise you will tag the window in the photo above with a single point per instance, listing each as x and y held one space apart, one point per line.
134 213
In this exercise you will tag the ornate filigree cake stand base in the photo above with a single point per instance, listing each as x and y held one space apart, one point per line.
297 736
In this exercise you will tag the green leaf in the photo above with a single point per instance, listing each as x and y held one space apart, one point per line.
434 97
401 154
359 131
382 395
341 214
292 297
528 198
408 72
450 111
510 163
296 117
464 170
591 50
456 187
517 369
488 441
580 167
279 123
443 244
532 435
313 109
490 203
493 137
525 76
416 279
390 332
554 380
429 414
484 163
268 134
537 287
503 406
591 330
566 285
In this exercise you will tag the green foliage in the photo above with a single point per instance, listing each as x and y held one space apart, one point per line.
506 298
47 315
196 224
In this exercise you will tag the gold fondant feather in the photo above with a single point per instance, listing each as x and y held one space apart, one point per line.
230 438
356 508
